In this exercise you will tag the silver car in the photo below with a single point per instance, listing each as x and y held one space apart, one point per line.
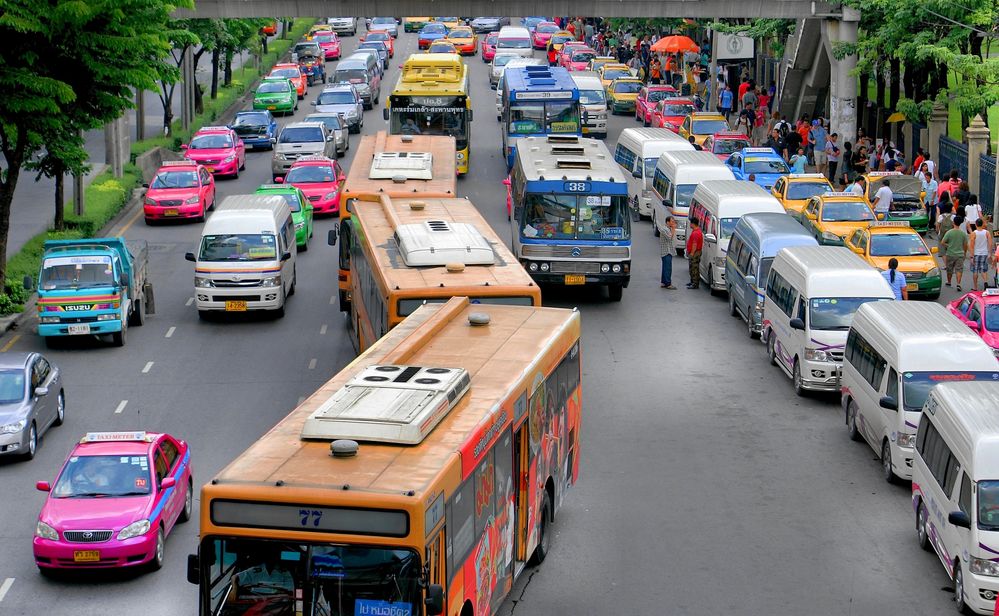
342 99
336 124
388 24
498 65
343 25
31 401
300 139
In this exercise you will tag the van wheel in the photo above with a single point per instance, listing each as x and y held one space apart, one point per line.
962 607
615 291
852 430
679 252
886 471
655 227
732 309
771 351
799 386
922 533
749 328
294 281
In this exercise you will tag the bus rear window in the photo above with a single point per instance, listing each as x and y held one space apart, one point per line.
408 306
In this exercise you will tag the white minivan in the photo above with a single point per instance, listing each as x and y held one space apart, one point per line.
811 295
514 39
677 175
955 488
896 352
246 258
717 206
638 151
592 100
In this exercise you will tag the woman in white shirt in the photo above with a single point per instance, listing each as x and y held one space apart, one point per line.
972 212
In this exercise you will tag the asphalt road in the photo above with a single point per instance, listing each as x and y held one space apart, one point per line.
707 486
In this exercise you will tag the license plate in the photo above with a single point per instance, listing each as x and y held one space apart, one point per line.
235 306
79 329
86 556
210 169
912 286
170 212
271 107
575 279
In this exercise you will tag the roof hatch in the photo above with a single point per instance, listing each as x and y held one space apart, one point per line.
440 242
389 404
411 165
571 163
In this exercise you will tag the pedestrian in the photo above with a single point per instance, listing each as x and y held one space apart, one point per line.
792 141
695 243
955 245
743 124
798 161
929 196
896 280
951 184
846 168
859 162
981 248
857 187
744 86
509 197
666 248
945 217
694 143
588 31
655 71
972 212
832 155
920 158
725 101
774 141
749 99
763 100
962 194
882 200
552 54
817 137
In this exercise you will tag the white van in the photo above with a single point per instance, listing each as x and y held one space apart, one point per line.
246 260
812 293
955 488
514 62
676 176
638 151
717 206
592 100
514 39
895 353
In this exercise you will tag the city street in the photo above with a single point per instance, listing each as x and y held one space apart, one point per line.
706 486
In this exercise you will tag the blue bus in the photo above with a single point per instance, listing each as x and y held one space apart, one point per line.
571 224
537 101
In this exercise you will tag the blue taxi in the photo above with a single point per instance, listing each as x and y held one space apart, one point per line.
763 164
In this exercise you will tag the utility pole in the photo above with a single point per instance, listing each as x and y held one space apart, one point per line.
140 115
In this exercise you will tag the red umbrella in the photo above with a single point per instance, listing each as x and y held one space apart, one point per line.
675 44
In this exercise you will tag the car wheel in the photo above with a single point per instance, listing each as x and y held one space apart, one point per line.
242 165
304 247
959 603
201 216
852 430
185 513
646 122
886 471
799 386
32 442
60 409
922 533
157 562
615 291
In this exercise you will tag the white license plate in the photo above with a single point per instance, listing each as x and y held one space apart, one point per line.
75 330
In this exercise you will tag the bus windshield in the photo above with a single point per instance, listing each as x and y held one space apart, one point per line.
916 386
450 118
592 97
252 576
543 118
835 313
581 217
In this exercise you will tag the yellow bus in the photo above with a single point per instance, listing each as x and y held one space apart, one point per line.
432 97
409 251
395 166
436 460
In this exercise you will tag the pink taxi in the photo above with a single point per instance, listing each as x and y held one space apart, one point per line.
219 149
117 497
321 179
578 59
489 46
670 112
329 42
180 189
648 96
979 310
543 33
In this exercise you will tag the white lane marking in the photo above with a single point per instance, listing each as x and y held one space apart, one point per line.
322 330
147 367
170 332
121 407
332 299
312 364
190 301
5 587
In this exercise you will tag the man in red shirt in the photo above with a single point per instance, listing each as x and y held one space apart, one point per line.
695 243
743 87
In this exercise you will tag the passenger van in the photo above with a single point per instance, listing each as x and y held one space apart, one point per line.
756 241
895 353
638 151
676 176
501 85
361 71
593 100
812 293
514 39
717 206
955 488
246 258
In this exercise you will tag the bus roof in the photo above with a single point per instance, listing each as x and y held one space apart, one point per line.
969 413
525 83
443 182
555 158
439 68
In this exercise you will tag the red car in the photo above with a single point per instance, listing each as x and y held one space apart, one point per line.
670 112
321 179
979 310
383 37
294 73
219 149
723 145
180 189
542 32
646 102
489 46
329 42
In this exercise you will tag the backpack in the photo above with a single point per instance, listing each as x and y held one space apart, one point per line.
783 128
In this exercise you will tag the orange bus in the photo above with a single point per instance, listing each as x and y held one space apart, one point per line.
396 166
409 251
436 460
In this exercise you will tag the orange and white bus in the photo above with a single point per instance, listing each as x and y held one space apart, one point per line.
407 252
436 460
396 166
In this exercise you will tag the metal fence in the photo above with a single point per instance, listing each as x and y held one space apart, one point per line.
953 155
987 183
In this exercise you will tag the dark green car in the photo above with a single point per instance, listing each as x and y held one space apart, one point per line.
301 210
276 95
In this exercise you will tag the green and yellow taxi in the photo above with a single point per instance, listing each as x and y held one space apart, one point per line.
879 242
795 189
559 39
702 124
907 197
622 94
276 95
611 71
414 24
599 61
301 210
832 217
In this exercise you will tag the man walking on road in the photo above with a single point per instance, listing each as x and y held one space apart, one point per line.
695 243
955 245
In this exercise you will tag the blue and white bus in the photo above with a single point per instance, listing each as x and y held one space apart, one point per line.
571 223
537 101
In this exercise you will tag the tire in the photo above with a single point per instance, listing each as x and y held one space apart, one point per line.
544 540
32 442
732 309
799 386
201 217
959 604
60 409
120 337
615 291
185 513
771 351
279 313
304 247
933 296
138 316
204 315
679 251
922 533
852 430
886 471
242 166
158 552
235 176
749 329
655 227
294 282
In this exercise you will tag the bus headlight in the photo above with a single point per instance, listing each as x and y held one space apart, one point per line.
533 267
830 237
718 262
816 355
545 267
905 440
983 566
616 268
604 268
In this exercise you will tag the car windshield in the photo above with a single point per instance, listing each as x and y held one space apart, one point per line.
273 87
558 39
709 127
331 122
175 179
547 29
238 247
992 317
834 313
434 29
324 37
76 272
806 190
616 73
916 386
11 386
654 96
351 75
301 134
378 36
210 142
460 33
383 20
503 60
627 87
540 118
514 43
103 476
441 48
286 73
765 165
491 39
251 119
897 245
846 211
589 217
583 56
676 110
988 505
592 97
290 197
336 97
310 174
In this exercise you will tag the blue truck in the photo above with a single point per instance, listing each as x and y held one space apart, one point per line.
93 287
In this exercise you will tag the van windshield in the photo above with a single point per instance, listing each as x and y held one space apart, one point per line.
916 386
238 247
835 313
988 505
684 193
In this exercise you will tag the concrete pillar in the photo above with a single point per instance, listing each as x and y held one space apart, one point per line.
977 135
78 203
909 152
843 86
712 92
140 115
116 145
187 89
936 127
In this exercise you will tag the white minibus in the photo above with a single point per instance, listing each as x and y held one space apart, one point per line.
637 151
514 39
676 176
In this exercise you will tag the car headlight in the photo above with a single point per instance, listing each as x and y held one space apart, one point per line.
329 195
45 531
48 319
134 529
905 440
718 261
107 317
148 201
202 281
352 113
191 200
271 281
816 355
934 271
17 426
229 159
983 566
830 237
461 156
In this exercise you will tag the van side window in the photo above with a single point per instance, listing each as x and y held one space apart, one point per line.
950 474
735 249
624 157
802 308
964 500
751 267
892 389
937 455
780 293
868 362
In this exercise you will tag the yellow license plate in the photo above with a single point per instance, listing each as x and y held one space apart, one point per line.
210 169
86 556
171 212
575 279
235 306
271 107
912 286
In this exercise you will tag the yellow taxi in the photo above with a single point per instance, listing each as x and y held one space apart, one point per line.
622 94
560 38
442 46
833 216
451 22
599 61
907 197
881 241
464 40
701 125
318 28
414 24
611 71
794 190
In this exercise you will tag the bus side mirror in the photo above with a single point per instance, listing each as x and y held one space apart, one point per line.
470 115
385 114
193 569
190 257
959 518
434 600
124 280
286 256
797 323
27 283
331 236
586 116
888 402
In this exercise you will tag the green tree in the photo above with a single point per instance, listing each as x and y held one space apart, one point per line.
62 152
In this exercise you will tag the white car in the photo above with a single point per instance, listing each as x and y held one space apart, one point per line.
343 25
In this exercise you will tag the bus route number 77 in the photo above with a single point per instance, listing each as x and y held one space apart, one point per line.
315 514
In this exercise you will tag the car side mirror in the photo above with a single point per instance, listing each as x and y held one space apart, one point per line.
385 114
41 391
145 184
190 257
796 323
183 146
888 402
167 483
637 173
286 256
934 249
43 486
972 324
434 601
959 518
279 180
331 236
27 282
710 238
750 280
810 216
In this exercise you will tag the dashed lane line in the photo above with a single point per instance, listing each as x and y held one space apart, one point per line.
322 330
5 587
147 367
170 332
130 222
190 301
121 407
312 363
